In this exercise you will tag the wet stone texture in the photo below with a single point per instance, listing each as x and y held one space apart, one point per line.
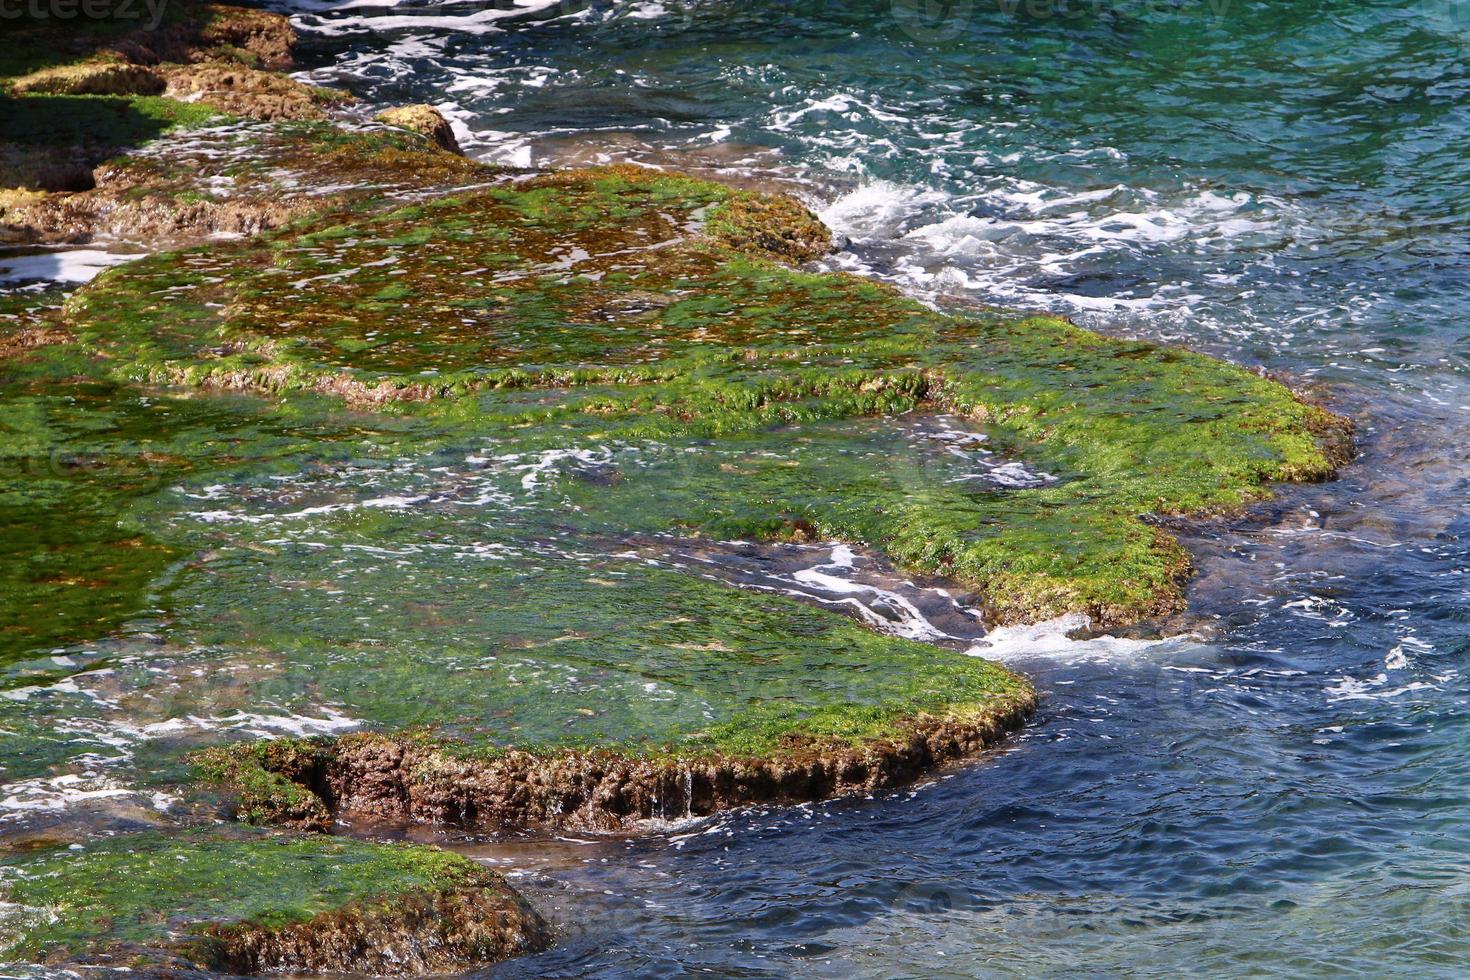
233 179
241 902
79 93
490 510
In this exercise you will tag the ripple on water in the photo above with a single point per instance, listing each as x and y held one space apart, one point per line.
1283 794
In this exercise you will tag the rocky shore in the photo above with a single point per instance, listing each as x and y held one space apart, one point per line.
489 375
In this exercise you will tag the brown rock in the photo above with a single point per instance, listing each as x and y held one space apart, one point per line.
432 933
27 167
214 32
249 92
91 78
425 120
405 780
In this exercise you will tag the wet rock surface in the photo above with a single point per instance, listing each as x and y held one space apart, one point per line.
241 902
438 495
234 180
426 121
75 98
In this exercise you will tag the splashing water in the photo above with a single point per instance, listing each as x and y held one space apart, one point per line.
1280 791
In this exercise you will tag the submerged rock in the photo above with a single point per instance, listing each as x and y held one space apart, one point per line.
258 903
662 306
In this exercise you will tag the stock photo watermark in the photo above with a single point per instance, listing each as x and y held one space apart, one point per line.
130 468
147 14
1448 18
933 21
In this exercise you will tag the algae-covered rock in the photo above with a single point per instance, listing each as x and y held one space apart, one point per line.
462 444
73 94
424 780
249 92
238 180
601 284
52 142
771 223
91 78
270 782
217 32
425 120
256 903
187 32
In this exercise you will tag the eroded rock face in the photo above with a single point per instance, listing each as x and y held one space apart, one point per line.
230 900
426 932
425 120
416 781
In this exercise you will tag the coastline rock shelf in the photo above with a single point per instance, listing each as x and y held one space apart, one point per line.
243 902
360 518
575 312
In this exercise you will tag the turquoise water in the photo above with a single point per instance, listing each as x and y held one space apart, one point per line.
1281 792
1283 184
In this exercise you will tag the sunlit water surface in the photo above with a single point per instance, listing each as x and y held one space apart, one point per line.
1283 184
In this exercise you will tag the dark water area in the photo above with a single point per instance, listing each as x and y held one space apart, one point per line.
1282 791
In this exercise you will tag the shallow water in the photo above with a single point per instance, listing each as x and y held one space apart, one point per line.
1281 184
1284 185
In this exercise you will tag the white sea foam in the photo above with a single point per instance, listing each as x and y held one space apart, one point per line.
878 210
833 579
72 266
1051 640
1020 242
27 798
357 16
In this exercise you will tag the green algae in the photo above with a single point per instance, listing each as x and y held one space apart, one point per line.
268 780
178 890
414 456
77 453
266 168
600 281
544 652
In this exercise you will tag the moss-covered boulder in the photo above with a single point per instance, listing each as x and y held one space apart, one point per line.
426 121
254 903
